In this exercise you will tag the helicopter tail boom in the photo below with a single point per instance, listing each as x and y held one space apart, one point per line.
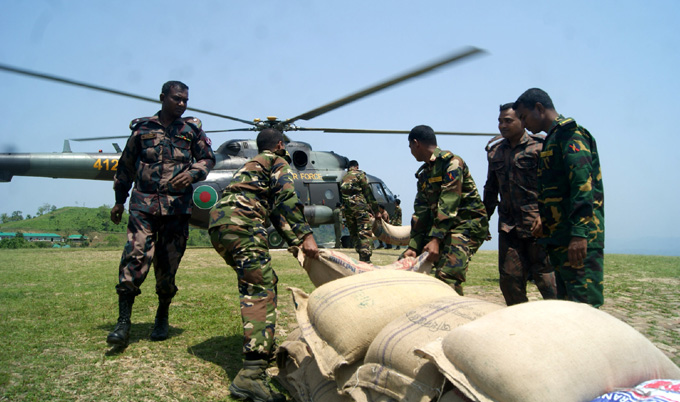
99 166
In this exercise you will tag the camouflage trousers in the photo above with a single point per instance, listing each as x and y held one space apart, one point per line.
519 260
152 238
245 250
456 253
359 226
584 284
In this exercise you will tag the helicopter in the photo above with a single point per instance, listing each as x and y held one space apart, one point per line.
317 174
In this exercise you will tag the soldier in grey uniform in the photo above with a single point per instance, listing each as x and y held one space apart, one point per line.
513 165
164 155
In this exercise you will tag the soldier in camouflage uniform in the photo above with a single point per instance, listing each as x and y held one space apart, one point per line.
570 199
449 219
164 155
513 162
262 191
359 205
395 219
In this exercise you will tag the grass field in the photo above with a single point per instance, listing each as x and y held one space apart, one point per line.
57 306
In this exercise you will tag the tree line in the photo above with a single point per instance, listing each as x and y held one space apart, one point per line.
19 216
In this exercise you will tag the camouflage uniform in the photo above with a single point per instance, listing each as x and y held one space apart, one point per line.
262 191
448 207
159 215
571 204
512 173
358 202
396 216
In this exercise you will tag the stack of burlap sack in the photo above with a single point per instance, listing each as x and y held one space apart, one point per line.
396 334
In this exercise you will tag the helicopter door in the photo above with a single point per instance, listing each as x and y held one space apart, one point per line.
379 193
324 194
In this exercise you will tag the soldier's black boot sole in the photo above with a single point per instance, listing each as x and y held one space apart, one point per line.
243 394
120 336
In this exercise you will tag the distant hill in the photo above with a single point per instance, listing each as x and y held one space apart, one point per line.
69 220
96 224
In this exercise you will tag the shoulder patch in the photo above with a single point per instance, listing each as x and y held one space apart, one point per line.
567 123
446 155
194 121
136 122
493 143
537 137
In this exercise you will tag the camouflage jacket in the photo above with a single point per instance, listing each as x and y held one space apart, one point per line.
512 174
571 195
447 201
263 191
396 216
154 155
356 193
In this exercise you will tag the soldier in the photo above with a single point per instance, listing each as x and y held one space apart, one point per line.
337 225
449 220
512 172
570 199
164 155
395 219
359 206
261 191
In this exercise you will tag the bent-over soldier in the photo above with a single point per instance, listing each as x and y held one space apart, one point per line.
262 191
449 219
513 163
164 155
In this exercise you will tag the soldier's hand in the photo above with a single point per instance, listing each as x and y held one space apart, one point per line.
537 228
117 213
578 246
432 247
181 181
410 253
309 247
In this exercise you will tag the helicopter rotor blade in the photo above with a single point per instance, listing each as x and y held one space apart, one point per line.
67 81
99 138
232 129
377 131
368 91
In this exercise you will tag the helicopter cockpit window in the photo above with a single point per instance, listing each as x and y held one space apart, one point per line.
378 192
389 193
300 159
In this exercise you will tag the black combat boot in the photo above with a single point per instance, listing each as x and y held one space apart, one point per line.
251 383
121 333
161 325
365 258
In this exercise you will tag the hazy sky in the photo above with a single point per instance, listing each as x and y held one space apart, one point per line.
611 65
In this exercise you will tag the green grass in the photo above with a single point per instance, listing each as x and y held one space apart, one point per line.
57 305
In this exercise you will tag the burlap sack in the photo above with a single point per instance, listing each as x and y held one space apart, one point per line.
340 319
300 375
549 350
391 368
390 234
333 265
